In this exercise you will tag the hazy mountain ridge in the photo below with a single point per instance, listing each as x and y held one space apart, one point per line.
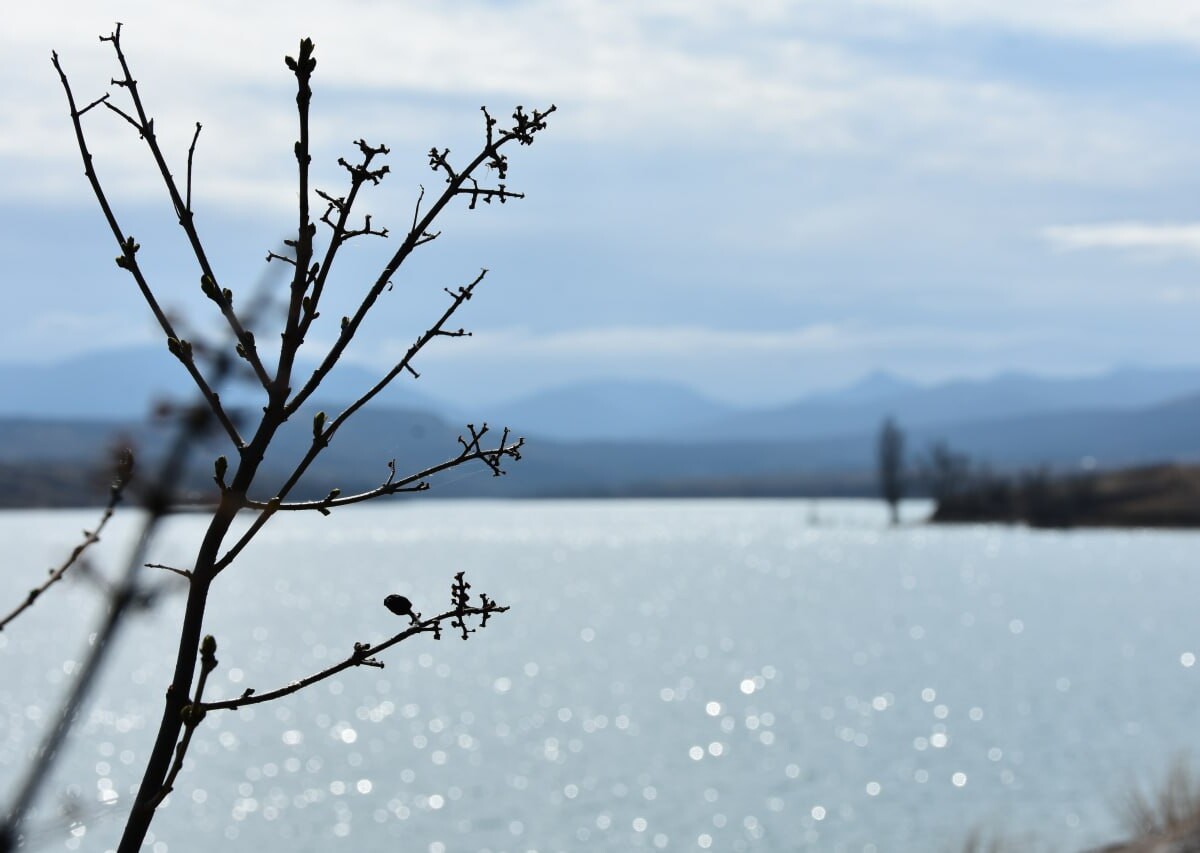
646 438
127 383
844 464
1004 396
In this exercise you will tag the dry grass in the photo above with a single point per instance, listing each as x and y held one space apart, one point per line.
979 841
1165 819
1162 819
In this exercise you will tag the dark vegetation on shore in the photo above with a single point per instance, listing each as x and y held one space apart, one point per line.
1165 495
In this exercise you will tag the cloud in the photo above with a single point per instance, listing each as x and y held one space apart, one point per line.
648 344
1159 239
741 365
72 333
1104 21
660 79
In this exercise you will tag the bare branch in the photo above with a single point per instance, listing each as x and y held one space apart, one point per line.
182 350
334 500
122 475
364 654
127 260
523 131
184 709
360 174
192 715
183 573
145 127
191 155
102 99
322 434
125 116
293 336
492 458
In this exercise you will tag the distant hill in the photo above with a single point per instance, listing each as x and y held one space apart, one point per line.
1007 395
31 449
612 437
612 410
128 383
874 387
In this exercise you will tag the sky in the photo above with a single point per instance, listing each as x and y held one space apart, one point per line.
756 199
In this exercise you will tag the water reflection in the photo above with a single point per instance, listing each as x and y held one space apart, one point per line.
684 676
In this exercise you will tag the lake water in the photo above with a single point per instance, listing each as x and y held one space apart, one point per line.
724 675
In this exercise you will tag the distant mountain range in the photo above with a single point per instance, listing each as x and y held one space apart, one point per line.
619 437
624 410
126 384
129 383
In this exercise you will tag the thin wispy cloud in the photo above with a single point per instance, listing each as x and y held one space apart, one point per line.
1111 21
645 344
1157 238
648 77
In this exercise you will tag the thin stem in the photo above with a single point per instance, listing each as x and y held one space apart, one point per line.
191 155
324 434
522 133
359 175
292 340
491 457
127 260
183 211
361 656
192 715
90 537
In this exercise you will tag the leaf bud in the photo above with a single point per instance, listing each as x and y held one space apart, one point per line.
192 715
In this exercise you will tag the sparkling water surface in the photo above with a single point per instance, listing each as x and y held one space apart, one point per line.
674 675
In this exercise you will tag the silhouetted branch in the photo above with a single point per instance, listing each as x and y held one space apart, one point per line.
182 709
491 458
364 654
145 127
523 131
127 260
191 155
192 714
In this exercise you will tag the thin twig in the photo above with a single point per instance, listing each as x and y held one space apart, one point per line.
127 260
359 175
322 435
361 656
193 715
116 491
302 67
191 154
490 457
145 127
522 132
